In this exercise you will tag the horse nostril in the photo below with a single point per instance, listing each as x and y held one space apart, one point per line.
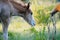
34 24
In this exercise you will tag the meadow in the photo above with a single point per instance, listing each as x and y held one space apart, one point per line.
21 30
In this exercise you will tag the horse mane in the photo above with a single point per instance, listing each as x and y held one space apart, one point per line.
21 7
4 0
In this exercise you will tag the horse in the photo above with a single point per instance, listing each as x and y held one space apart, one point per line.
11 8
24 11
55 10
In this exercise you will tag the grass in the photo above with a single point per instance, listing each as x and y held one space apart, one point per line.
25 32
29 35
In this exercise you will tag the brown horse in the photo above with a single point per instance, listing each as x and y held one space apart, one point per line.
56 9
12 8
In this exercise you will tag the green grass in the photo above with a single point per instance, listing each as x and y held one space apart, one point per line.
28 36
25 32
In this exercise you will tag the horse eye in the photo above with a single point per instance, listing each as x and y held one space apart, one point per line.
31 13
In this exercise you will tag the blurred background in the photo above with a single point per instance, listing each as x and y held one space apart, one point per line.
21 30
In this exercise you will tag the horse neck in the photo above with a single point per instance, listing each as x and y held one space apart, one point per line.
21 7
16 13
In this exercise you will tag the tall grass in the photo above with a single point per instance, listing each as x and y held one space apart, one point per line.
41 11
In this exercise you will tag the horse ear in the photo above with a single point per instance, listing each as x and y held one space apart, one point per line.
28 5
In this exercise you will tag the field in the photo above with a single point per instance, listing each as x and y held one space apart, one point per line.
18 31
21 30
